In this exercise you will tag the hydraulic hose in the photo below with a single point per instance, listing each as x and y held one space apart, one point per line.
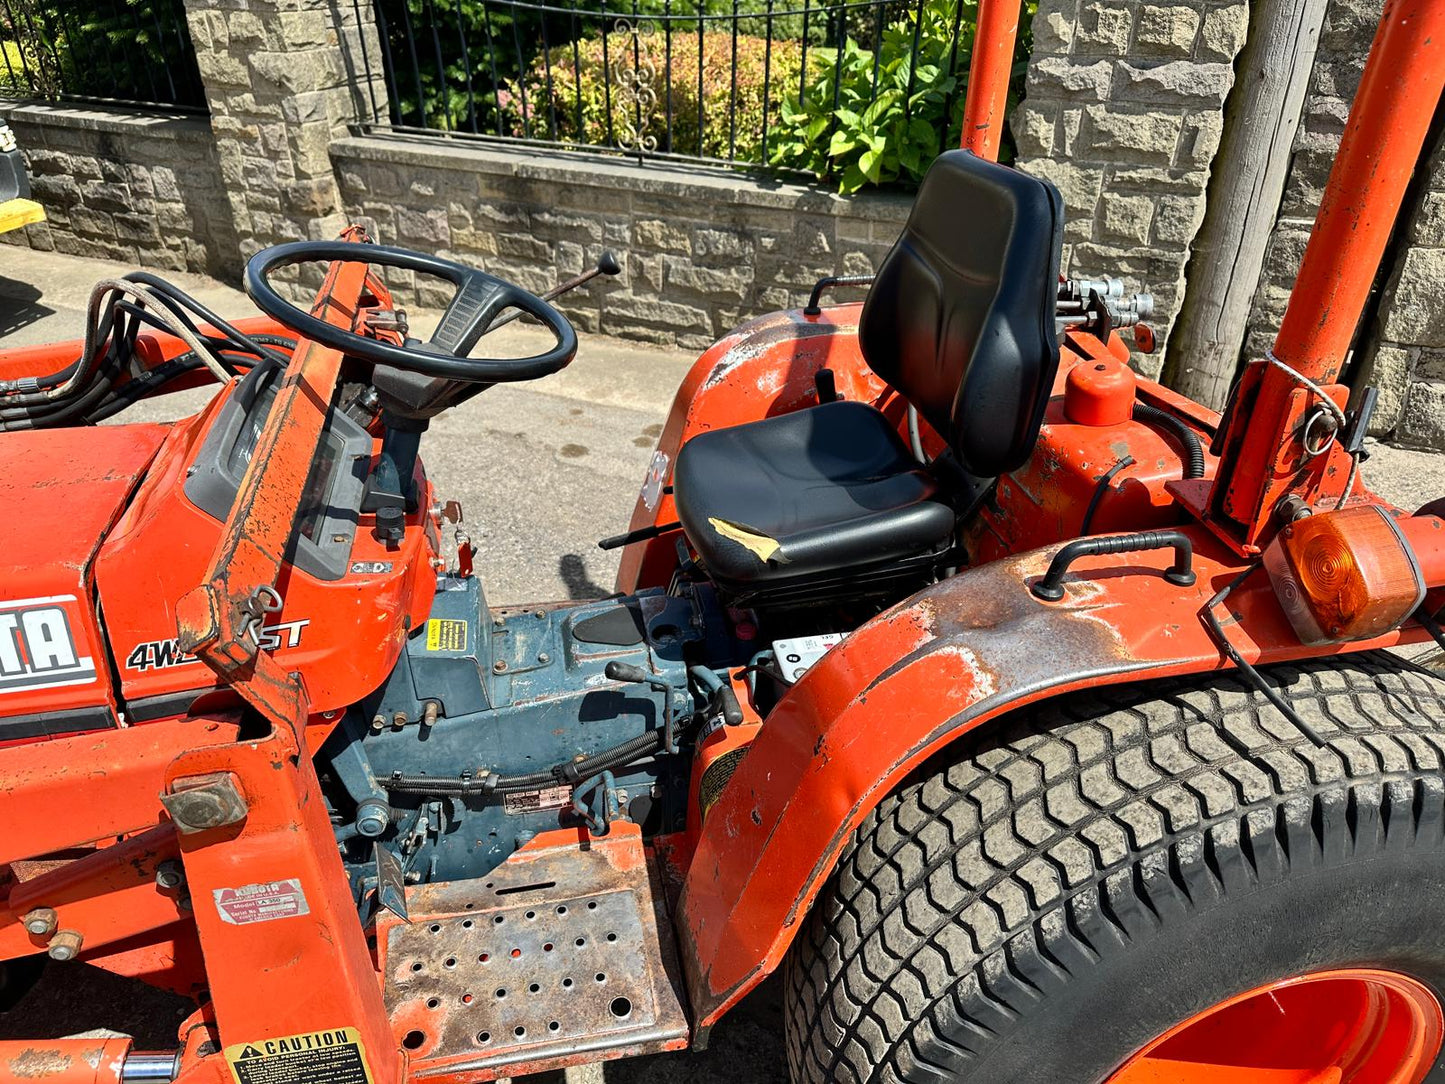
230 331
1193 450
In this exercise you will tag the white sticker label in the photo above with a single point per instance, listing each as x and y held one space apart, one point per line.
261 902
534 801
652 484
796 655
38 648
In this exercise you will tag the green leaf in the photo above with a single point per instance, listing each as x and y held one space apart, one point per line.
870 164
852 180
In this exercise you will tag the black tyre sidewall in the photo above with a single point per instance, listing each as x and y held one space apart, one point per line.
1385 912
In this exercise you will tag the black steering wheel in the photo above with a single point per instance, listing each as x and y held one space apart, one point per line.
479 299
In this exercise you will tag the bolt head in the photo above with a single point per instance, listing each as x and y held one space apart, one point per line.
500 666
40 922
199 803
169 874
65 945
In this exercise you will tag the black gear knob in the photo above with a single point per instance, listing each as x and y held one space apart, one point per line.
625 671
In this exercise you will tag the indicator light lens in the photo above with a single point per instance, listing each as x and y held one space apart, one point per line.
1344 575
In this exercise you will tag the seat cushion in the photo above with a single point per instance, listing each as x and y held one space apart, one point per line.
818 490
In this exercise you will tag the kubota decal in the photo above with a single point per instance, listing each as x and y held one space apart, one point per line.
37 648
261 902
160 654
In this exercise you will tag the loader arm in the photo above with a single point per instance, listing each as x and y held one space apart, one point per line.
217 620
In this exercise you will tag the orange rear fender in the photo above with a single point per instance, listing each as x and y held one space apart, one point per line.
919 676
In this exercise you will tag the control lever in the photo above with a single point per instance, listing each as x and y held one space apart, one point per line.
606 265
617 670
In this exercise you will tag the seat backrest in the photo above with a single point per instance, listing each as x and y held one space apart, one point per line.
960 318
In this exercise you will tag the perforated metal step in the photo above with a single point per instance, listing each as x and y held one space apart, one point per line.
553 959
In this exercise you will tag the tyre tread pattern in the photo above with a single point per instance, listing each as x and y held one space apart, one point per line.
1075 827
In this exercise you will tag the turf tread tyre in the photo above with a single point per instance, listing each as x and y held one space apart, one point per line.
1078 828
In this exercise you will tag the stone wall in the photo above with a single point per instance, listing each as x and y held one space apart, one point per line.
1405 356
1124 113
702 250
145 190
283 79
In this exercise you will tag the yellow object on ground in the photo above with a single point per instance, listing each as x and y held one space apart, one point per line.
15 213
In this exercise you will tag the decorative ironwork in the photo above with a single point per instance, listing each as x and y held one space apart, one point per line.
633 74
133 53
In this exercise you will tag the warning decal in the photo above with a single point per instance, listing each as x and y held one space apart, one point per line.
261 902
334 1056
443 634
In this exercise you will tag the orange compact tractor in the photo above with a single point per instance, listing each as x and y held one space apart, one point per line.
1039 723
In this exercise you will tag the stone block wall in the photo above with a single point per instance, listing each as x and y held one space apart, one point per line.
702 250
144 190
1123 112
1405 355
283 79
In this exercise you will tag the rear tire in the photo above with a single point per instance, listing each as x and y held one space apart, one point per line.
1061 890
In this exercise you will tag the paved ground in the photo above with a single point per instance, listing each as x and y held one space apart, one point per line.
543 470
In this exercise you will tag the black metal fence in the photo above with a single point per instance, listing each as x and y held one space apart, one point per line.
859 91
113 52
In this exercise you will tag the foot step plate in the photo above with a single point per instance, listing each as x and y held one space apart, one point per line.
554 958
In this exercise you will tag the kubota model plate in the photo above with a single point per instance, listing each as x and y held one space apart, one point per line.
554 958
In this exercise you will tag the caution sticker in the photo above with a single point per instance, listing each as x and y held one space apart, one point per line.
261 902
443 634
334 1056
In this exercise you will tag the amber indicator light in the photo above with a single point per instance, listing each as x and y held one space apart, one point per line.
1344 575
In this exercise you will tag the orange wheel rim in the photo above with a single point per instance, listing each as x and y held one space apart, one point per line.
1355 1026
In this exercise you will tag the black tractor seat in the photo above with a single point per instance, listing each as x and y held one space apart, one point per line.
805 493
961 321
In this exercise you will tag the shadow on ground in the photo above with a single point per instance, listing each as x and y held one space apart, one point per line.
19 306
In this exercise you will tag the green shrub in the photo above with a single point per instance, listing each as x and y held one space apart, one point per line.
500 41
126 49
839 130
731 115
12 69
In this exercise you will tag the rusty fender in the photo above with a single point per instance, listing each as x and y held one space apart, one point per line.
913 679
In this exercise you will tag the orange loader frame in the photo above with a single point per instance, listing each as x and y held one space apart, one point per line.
237 806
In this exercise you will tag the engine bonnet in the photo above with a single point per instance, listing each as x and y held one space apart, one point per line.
60 493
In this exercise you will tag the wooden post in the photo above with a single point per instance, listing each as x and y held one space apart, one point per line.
1244 194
